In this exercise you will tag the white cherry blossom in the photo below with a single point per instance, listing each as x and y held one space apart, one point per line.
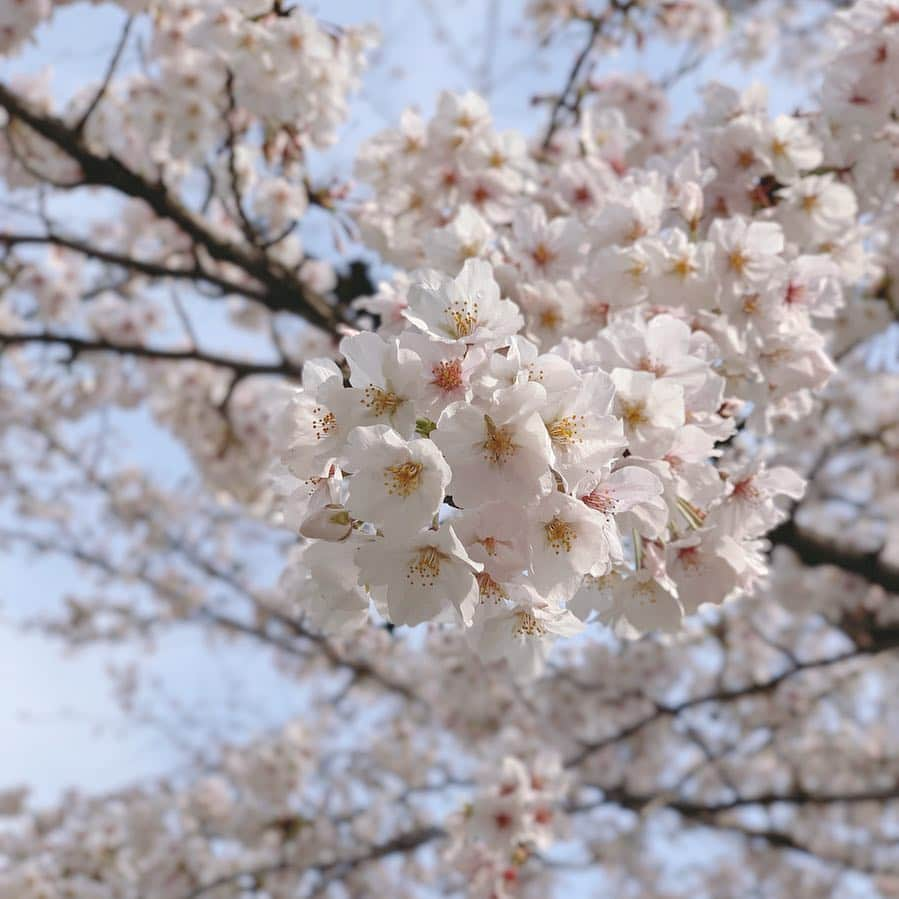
652 410
521 630
500 452
397 484
423 575
567 539
467 308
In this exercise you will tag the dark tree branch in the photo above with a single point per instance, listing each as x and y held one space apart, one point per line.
138 266
869 639
240 367
709 816
563 102
280 290
572 94
402 843
250 232
814 553
621 796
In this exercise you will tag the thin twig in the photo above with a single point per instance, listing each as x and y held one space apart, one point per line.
562 101
107 79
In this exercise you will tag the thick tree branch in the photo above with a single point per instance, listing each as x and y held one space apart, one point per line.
281 289
814 553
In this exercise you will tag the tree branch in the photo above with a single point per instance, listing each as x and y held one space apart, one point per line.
282 290
707 816
139 266
77 345
814 553
868 642
562 101
107 78
404 842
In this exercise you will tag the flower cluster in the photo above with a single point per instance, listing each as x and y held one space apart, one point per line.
532 434
168 842
514 813
461 469
606 359
287 71
859 102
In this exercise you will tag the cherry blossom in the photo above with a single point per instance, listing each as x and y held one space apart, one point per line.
553 468
422 576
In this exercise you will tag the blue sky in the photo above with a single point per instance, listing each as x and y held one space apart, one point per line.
59 725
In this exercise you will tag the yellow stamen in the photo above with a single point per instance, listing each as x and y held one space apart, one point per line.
463 318
745 159
560 535
549 319
425 567
647 363
403 480
381 402
737 261
542 255
499 447
489 544
634 414
489 588
323 422
565 431
447 375
528 625
600 502
683 267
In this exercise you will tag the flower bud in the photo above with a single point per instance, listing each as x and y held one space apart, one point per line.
689 203
331 522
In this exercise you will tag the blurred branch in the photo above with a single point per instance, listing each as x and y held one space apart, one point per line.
280 288
107 78
565 100
240 367
139 266
707 815
814 552
333 870
868 640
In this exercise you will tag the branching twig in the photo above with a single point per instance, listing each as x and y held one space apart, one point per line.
110 72
571 85
280 289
